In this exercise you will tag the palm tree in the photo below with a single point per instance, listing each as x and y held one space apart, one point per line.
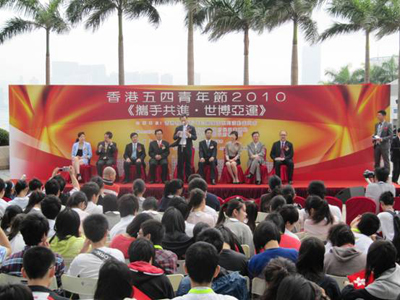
345 76
361 16
43 16
97 12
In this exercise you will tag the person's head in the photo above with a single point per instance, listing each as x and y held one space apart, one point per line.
386 200
133 228
256 136
208 133
173 187
193 176
61 182
92 191
252 213
296 287
382 256
35 199
150 203
369 224
213 237
159 134
81 137
201 263
340 235
277 219
152 230
110 203
35 185
198 183
180 204
9 189
138 187
77 200
15 291
265 232
274 182
184 119
134 137
2 188
274 272
234 135
199 227
141 249
317 188
98 180
235 208
290 215
173 221
34 229
95 228
109 174
277 203
10 213
289 193
228 236
283 135
67 224
197 199
21 188
381 115
128 204
115 281
310 262
52 187
318 209
398 132
382 174
38 264
108 136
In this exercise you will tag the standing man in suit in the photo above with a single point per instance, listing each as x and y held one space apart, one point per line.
381 139
106 150
158 152
134 154
395 157
282 154
184 135
208 155
256 151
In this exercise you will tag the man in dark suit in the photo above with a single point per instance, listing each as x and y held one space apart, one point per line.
282 154
395 157
134 154
184 136
382 137
208 155
106 150
158 152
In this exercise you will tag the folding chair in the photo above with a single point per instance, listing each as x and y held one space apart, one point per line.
258 286
341 281
246 250
175 280
179 265
77 285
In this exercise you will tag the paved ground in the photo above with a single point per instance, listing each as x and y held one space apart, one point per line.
5 174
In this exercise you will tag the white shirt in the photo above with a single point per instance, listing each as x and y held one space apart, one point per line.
20 201
376 189
51 230
303 215
201 216
183 138
362 242
212 212
319 229
141 200
189 229
17 243
82 214
154 214
93 208
87 265
121 226
204 296
289 233
387 227
3 205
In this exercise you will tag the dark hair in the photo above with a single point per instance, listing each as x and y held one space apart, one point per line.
199 227
110 203
173 221
34 198
213 237
133 228
198 183
115 281
369 224
79 135
67 224
382 174
277 219
193 176
51 207
138 186
183 116
33 228
158 130
109 134
10 213
341 234
265 232
321 210
382 256
382 112
20 186
90 189
277 203
310 262
317 188
98 180
2 185
398 130
9 185
201 262
228 236
295 287
76 199
227 209
15 291
133 134
254 132
275 186
150 203
208 129
180 204
289 213
37 261
34 184
235 133
252 212
171 187
288 192
196 198
15 226
274 182
128 204
274 272
387 198
141 250
52 187
61 182
155 229
95 227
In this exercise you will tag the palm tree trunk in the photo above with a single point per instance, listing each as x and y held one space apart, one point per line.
366 78
246 78
398 88
190 54
47 56
295 59
121 70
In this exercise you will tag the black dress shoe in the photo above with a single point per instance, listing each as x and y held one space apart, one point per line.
258 182
213 182
249 175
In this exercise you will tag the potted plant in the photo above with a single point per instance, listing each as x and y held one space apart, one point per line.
4 149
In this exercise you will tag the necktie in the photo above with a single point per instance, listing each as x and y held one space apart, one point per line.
208 144
134 151
282 149
159 144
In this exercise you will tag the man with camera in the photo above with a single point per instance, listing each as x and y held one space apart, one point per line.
378 184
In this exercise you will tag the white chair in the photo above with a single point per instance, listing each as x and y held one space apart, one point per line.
113 217
77 285
246 250
67 263
179 266
341 281
10 279
258 286
247 282
175 280
261 216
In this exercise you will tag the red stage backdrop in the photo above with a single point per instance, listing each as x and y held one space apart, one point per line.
330 126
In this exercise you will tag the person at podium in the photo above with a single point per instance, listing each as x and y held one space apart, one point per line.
282 154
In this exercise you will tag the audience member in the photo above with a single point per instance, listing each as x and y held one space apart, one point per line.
390 221
51 207
15 292
5 246
290 216
52 187
317 188
289 193
15 237
138 189
364 228
180 204
150 206
320 218
274 188
252 213
92 192
196 182
375 189
173 188
199 228
78 202
100 183
110 203
196 206
21 190
277 203
10 213
287 241
9 192
34 203
109 177
35 185
128 207
3 203
295 287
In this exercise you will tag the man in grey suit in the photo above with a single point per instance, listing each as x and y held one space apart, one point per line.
256 152
381 139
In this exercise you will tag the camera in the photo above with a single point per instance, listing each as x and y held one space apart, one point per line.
369 174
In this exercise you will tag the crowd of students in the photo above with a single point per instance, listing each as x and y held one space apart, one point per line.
294 249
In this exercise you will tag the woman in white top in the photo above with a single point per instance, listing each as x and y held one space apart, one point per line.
78 202
139 188
21 189
320 218
15 237
196 207
34 202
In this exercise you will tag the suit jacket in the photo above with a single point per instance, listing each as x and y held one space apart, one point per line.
386 133
154 149
112 148
253 150
189 141
276 150
395 149
140 151
207 153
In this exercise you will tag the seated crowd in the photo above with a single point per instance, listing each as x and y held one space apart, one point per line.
295 252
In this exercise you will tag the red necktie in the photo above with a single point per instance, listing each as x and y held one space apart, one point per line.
159 144
283 149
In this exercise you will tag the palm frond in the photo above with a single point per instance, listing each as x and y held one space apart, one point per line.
337 29
99 14
142 8
16 26
309 28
